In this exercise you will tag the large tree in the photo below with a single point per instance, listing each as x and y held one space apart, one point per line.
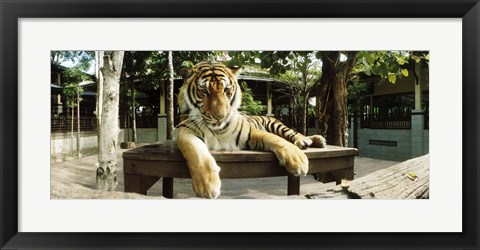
332 96
109 129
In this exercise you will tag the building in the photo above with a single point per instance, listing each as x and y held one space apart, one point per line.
393 124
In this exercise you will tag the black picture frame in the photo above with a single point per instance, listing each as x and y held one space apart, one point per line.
11 11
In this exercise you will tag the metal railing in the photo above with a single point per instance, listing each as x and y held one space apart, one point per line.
64 124
369 121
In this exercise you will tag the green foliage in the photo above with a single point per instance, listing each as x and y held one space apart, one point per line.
419 56
81 59
249 105
131 101
356 95
275 61
70 91
74 74
80 62
135 65
389 65
155 64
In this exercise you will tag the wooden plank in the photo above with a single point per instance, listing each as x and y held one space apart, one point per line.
394 183
406 180
329 164
168 151
235 170
155 168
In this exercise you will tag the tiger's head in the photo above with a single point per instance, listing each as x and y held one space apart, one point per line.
210 93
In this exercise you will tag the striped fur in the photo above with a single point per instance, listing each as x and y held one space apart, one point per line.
208 102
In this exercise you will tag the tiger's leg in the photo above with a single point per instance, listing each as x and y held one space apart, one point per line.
289 155
203 167
275 126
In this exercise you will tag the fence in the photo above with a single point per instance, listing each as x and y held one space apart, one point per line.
64 124
370 121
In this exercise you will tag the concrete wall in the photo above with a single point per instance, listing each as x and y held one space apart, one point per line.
426 141
144 135
400 137
410 143
63 147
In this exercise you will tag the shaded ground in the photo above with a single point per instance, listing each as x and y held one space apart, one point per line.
61 157
75 179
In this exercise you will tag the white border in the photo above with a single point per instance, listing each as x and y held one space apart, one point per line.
441 213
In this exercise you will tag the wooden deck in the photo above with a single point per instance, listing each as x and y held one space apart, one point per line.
406 180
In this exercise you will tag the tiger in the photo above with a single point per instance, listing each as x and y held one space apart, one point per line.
209 102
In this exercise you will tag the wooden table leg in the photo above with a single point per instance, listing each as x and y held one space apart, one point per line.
338 175
138 183
293 185
167 187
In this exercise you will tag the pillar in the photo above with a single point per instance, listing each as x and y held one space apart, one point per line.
417 120
269 99
162 116
59 104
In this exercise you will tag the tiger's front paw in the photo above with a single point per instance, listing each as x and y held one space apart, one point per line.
303 143
206 183
294 160
318 141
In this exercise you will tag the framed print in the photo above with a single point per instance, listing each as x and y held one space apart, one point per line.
447 30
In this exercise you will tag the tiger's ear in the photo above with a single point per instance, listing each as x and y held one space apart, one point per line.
185 72
186 69
236 70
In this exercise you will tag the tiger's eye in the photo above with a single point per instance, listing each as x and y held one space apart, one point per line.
201 92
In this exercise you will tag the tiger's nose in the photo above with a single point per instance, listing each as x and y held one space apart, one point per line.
219 117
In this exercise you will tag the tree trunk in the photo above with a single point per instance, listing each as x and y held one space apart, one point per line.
303 124
134 115
78 124
73 114
355 128
109 128
170 104
340 112
125 125
127 128
332 96
71 129
292 113
99 77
